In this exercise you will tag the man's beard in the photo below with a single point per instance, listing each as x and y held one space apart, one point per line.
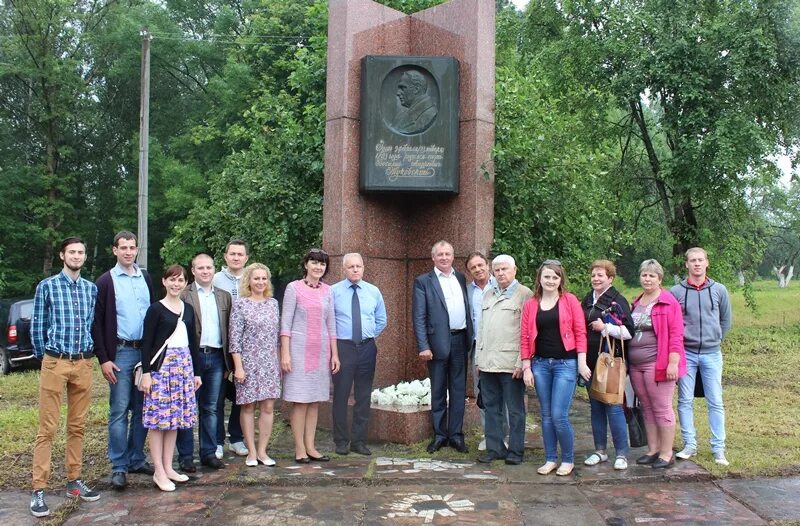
73 268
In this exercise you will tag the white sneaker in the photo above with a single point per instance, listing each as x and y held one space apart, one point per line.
219 453
686 453
595 458
720 459
621 463
482 445
239 448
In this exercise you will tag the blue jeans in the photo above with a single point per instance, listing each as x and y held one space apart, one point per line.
503 395
234 424
211 369
126 434
555 381
709 364
602 416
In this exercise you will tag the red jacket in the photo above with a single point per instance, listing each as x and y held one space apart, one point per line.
572 325
668 326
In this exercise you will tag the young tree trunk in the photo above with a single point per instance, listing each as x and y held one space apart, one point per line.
781 276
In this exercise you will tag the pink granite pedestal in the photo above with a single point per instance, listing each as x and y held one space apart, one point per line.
400 425
395 233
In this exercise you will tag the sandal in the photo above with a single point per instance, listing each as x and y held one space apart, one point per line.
596 458
547 468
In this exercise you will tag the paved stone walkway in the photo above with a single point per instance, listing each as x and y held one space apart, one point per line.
393 487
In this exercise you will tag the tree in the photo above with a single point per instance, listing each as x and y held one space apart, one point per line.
783 249
708 89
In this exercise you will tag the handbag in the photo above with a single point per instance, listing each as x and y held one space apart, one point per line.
637 436
608 380
137 369
699 390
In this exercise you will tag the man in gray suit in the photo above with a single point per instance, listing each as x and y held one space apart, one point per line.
212 307
443 328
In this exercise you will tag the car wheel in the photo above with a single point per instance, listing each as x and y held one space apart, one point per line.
5 364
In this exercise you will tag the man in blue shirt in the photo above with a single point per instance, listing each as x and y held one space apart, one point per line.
123 295
212 309
63 308
360 318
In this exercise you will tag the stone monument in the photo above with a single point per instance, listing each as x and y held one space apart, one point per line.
395 231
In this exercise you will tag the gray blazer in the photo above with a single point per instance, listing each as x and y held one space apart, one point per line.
429 313
223 299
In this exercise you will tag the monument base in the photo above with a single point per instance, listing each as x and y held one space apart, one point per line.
400 425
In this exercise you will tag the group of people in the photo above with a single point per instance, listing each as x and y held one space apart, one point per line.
170 363
548 340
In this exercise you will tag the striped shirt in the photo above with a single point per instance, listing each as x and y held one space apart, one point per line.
63 311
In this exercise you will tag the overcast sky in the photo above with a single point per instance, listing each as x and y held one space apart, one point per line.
520 3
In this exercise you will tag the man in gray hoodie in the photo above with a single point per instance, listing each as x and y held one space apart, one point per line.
707 319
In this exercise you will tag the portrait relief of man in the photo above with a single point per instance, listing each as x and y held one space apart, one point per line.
418 109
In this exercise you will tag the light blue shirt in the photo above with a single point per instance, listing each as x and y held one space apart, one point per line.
509 290
132 300
475 295
373 310
210 335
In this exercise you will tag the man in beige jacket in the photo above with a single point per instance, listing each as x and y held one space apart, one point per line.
498 362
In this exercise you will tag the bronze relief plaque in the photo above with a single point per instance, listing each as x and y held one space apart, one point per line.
409 124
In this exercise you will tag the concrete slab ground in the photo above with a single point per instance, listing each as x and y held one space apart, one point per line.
398 485
773 499
432 501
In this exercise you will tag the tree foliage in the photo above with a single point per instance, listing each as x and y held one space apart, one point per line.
625 129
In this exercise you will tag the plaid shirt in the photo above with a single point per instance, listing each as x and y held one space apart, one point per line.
63 311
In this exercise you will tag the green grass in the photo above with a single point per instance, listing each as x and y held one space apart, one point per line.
762 399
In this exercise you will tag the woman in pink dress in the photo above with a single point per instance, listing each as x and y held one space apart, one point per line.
308 352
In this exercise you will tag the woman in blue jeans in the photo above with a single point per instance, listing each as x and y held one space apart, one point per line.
553 336
607 313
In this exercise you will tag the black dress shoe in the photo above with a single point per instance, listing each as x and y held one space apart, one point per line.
144 469
459 446
342 450
187 466
323 458
513 461
646 460
436 444
661 463
488 458
212 462
361 449
304 460
119 480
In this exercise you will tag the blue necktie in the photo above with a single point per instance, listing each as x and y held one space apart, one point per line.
355 314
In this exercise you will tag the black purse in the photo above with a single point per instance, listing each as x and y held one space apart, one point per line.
637 436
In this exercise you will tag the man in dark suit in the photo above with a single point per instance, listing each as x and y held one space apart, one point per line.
212 307
443 328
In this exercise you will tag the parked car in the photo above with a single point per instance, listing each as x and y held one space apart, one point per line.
15 341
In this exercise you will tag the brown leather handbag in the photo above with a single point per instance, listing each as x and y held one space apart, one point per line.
608 380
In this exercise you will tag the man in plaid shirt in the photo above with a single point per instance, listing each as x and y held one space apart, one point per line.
63 309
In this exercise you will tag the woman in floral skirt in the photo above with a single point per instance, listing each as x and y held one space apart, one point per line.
169 384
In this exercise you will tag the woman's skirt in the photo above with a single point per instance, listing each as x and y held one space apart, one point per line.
171 402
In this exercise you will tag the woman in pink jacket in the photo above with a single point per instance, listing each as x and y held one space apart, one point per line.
553 336
656 359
